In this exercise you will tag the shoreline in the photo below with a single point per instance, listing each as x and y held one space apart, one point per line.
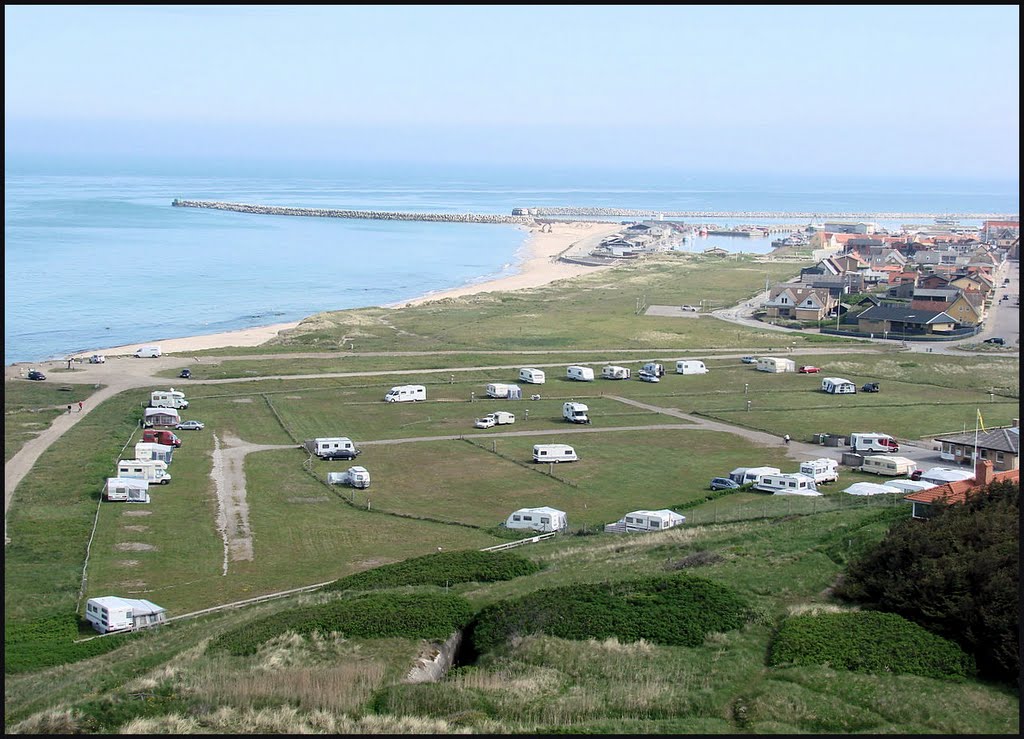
536 264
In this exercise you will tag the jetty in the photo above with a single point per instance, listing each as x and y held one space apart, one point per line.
277 210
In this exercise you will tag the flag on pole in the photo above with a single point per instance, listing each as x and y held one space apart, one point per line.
981 421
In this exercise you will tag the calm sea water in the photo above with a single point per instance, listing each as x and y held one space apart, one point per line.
95 255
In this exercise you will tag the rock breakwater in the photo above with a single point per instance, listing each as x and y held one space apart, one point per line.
276 210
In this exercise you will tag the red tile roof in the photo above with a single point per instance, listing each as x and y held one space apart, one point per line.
958 492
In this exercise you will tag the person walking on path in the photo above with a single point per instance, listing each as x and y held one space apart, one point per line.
786 438
80 404
69 409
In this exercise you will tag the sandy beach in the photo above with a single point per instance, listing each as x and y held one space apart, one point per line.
537 264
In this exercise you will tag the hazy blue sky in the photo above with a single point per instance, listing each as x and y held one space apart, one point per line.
824 89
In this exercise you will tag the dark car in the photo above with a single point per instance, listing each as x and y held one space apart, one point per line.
342 454
36 375
870 387
723 483
186 373
995 340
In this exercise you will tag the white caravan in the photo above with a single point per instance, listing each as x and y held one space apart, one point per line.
654 368
331 447
542 519
160 417
151 470
127 490
501 390
575 412
883 464
776 364
690 367
152 450
167 399
637 521
357 477
787 484
111 613
148 351
583 374
749 475
498 418
402 393
838 386
554 453
823 470
531 375
613 372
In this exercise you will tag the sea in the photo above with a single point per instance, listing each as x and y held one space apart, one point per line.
96 256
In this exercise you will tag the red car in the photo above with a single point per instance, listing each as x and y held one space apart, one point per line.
809 369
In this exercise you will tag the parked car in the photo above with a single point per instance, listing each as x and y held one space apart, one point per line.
995 340
870 387
809 369
36 375
748 360
186 373
97 359
723 483
646 376
342 454
191 426
690 308
485 423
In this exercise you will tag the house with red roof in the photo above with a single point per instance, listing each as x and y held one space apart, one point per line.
926 502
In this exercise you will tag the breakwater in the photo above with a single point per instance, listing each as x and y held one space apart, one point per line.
277 210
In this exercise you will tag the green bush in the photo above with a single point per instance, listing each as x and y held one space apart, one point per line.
868 641
671 609
445 568
379 615
47 642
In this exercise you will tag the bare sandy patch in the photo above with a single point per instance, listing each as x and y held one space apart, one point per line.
135 528
321 499
242 400
135 546
132 584
128 563
136 512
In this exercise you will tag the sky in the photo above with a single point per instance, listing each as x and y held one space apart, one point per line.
843 89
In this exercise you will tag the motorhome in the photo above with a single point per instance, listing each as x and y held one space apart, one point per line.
554 453
161 436
883 464
583 374
531 375
690 367
110 613
167 399
838 386
152 450
575 412
127 490
749 475
150 470
613 372
541 519
501 390
402 393
357 477
654 368
822 470
775 364
331 447
148 351
787 484
873 442
639 521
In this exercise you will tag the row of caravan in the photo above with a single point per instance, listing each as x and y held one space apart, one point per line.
545 519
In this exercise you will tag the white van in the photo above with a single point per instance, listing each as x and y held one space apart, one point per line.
613 372
787 484
883 464
821 470
838 386
575 412
150 470
148 351
531 375
402 393
690 367
554 453
873 442
583 374
167 399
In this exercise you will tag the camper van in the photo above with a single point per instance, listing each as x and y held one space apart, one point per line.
127 490
332 447
148 351
872 442
838 386
357 477
150 470
501 390
111 613
161 436
690 367
654 368
151 450
531 375
167 399
821 470
787 484
554 453
542 519
402 393
889 466
639 521
575 413
775 365
612 372
749 475
583 374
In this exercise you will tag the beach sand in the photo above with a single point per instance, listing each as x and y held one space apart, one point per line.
538 264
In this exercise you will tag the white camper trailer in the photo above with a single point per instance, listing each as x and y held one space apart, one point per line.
501 390
614 372
838 386
654 368
402 393
873 442
148 351
357 477
332 447
787 484
749 475
152 450
583 374
776 364
823 470
151 470
639 521
111 613
883 464
498 418
690 367
575 412
554 453
542 519
167 399
127 490
531 375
